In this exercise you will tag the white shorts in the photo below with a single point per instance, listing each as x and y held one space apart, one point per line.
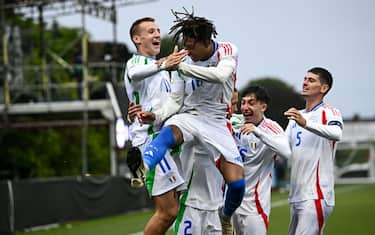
164 177
194 221
308 217
207 131
249 224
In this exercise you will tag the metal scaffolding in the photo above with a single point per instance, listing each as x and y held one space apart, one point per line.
40 10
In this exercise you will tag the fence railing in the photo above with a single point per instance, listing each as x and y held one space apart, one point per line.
33 83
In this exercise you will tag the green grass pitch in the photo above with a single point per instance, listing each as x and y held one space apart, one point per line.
354 213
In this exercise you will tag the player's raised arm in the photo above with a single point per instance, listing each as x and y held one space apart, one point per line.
224 70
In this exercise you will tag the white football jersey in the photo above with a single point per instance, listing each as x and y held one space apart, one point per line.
258 151
210 98
150 92
313 154
204 182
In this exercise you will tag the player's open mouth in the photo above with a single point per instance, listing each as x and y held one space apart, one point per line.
156 43
248 114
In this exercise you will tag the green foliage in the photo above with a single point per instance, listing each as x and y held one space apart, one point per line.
167 46
98 151
53 152
346 157
282 95
50 152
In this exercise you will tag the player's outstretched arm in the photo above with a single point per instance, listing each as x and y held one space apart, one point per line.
217 74
138 72
276 139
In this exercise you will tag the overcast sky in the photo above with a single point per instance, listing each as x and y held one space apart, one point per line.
282 39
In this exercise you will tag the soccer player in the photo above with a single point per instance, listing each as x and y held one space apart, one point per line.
203 195
147 85
259 139
208 73
313 133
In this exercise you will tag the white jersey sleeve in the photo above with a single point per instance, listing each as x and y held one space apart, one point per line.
275 138
331 127
136 70
224 70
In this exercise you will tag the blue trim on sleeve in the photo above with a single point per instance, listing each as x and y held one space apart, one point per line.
337 123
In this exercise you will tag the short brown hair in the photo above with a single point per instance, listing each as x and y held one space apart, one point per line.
134 28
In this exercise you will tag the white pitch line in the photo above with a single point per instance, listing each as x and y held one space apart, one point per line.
337 191
279 203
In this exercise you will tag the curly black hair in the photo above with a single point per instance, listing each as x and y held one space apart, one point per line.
199 28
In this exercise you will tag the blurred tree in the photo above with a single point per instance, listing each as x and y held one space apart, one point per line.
51 152
167 46
282 95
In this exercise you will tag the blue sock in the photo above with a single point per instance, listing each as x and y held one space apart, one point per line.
234 196
156 150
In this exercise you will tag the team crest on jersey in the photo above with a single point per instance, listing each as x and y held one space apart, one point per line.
253 145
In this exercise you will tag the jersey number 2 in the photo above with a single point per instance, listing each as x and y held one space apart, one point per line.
187 227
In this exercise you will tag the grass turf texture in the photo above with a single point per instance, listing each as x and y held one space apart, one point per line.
353 214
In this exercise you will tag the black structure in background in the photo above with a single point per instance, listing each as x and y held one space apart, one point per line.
35 202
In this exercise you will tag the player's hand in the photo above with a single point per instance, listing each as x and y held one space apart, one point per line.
160 61
133 109
175 58
146 117
295 115
247 128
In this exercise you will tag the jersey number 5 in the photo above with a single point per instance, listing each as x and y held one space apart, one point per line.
298 136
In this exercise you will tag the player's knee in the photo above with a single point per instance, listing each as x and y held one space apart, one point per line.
172 212
230 171
168 215
177 133
167 211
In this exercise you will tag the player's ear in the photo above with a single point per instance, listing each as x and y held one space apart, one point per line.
136 39
324 89
264 107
